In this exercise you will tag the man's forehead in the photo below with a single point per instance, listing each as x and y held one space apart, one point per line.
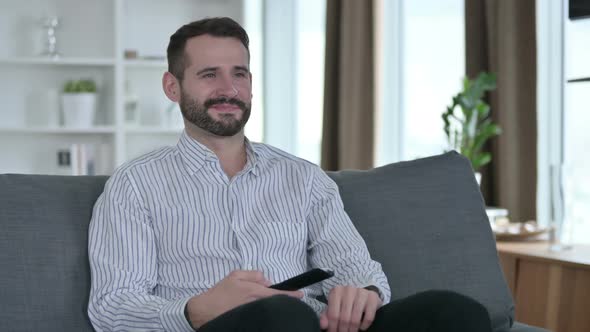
205 43
214 51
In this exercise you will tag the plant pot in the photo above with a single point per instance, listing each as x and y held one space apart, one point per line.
78 109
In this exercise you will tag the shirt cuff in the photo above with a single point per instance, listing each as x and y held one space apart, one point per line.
172 316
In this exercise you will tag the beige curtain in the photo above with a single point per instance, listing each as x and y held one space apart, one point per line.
347 141
500 38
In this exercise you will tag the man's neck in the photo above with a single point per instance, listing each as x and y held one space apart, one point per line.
230 150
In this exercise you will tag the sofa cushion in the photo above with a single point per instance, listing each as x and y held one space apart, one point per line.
425 222
44 274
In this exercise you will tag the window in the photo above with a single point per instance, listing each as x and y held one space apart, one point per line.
413 98
253 25
423 61
576 136
311 42
294 42
563 196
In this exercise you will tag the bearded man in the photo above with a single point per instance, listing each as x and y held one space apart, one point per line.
192 236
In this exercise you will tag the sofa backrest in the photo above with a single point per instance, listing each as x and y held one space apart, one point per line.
44 271
425 222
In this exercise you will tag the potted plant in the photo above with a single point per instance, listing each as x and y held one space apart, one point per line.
79 103
469 128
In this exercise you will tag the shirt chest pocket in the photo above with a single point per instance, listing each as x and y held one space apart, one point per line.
278 242
187 233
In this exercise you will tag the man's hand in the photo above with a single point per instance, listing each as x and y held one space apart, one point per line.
347 305
238 288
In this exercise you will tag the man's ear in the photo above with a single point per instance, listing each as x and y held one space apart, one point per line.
171 87
251 94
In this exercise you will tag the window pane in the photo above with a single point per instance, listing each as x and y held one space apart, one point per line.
311 32
253 25
433 61
576 136
294 76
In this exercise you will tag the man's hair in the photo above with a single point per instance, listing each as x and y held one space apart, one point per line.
216 26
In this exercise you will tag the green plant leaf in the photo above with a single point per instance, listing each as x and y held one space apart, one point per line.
487 81
480 160
468 130
488 131
483 110
80 86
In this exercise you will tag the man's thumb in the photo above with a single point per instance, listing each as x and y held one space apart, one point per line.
324 320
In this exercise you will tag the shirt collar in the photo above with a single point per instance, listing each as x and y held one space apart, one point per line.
253 157
195 154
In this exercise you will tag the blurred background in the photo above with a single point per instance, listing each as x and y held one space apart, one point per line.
344 84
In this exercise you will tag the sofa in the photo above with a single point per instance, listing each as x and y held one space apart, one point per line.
424 220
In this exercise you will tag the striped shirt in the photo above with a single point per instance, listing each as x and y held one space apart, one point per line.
171 224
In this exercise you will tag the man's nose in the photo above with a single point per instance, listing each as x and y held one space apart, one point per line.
226 87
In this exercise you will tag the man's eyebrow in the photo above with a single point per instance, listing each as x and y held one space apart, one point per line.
214 69
206 70
244 68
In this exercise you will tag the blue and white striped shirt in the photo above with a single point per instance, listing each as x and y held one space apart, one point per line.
171 224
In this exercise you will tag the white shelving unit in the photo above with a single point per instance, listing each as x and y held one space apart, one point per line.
92 39
146 64
56 62
58 130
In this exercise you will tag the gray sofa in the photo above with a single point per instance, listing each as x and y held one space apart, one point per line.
424 220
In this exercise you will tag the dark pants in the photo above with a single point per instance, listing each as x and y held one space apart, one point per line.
431 311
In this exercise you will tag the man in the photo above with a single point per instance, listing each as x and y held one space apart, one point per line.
191 236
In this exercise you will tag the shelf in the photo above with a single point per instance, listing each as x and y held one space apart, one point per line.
142 63
58 130
59 62
154 130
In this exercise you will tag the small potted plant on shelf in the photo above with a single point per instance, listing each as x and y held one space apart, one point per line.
79 103
470 127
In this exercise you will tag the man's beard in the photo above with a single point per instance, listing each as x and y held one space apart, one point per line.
198 115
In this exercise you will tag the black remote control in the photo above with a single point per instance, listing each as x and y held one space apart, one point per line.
303 280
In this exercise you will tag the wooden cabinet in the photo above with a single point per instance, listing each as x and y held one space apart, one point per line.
550 289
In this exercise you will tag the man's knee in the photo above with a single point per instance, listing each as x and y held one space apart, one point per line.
285 313
459 310
436 310
456 300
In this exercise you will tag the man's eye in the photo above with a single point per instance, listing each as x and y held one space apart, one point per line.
241 75
208 75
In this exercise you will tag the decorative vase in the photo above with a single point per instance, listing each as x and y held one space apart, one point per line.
78 109
50 23
131 106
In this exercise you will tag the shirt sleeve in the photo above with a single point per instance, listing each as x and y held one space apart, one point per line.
335 243
123 263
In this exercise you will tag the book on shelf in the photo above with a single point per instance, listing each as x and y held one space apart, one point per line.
84 159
